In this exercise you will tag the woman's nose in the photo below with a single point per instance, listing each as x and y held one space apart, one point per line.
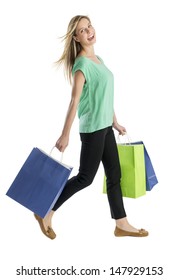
87 30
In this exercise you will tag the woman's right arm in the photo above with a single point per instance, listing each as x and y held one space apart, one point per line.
78 83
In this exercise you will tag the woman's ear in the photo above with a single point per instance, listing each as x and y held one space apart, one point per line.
76 39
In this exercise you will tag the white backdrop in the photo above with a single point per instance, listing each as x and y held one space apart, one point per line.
137 39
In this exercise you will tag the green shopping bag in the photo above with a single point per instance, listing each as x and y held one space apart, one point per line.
133 177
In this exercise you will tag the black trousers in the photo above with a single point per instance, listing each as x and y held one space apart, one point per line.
96 147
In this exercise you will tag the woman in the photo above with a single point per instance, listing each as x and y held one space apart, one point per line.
92 95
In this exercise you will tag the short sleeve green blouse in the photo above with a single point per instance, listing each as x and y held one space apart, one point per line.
95 109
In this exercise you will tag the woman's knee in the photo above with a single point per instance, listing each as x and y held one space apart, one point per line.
85 180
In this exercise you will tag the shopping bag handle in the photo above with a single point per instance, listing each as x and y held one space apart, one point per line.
127 139
52 151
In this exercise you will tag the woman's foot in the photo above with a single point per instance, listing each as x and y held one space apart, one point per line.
48 219
123 228
45 225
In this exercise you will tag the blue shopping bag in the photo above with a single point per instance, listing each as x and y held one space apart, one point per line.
151 178
39 182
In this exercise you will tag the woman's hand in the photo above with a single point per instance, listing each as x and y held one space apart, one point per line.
121 129
62 143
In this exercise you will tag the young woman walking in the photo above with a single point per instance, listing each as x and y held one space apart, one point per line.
92 96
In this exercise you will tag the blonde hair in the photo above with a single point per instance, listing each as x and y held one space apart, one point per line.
71 46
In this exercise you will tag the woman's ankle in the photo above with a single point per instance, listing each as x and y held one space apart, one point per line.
48 219
125 225
122 222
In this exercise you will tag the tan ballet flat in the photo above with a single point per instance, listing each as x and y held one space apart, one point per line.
49 232
120 232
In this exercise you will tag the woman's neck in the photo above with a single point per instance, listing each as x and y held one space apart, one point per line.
89 52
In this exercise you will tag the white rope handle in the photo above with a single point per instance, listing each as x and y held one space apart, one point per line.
52 151
127 139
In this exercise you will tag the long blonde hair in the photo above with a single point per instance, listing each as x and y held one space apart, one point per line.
71 46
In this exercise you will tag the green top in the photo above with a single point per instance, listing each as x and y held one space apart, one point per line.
95 109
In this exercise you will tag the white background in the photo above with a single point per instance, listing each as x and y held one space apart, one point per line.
137 39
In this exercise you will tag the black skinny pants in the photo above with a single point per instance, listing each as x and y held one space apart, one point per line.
96 147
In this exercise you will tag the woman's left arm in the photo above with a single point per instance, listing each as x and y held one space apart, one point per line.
122 130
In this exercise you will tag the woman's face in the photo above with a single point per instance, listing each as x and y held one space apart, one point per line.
85 33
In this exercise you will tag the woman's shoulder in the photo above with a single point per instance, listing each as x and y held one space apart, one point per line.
79 64
79 59
87 61
84 63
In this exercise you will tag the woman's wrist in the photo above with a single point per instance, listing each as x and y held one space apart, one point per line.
115 124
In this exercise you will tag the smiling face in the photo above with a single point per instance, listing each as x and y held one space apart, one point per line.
85 33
